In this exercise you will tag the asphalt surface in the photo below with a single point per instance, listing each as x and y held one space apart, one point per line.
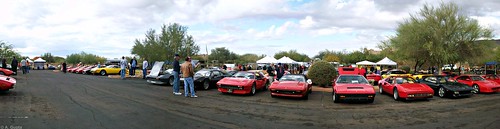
53 100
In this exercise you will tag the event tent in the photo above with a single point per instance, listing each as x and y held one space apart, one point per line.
266 60
386 61
286 60
39 63
366 63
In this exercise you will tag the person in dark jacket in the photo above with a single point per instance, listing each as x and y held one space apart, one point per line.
64 67
177 70
14 65
270 72
4 63
280 71
133 65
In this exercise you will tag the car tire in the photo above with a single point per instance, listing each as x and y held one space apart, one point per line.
266 86
253 90
441 92
103 73
335 97
206 84
396 94
476 89
380 90
171 81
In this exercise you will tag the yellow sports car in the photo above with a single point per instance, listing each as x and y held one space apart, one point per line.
419 75
110 69
396 72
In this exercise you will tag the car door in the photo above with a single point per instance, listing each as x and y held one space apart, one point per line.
431 82
387 86
216 76
260 80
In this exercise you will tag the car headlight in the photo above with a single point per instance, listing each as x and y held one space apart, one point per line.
411 95
207 74
456 92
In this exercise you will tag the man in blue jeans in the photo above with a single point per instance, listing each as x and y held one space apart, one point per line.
177 70
123 65
145 65
188 73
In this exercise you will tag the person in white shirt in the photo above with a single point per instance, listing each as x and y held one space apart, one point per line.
144 68
123 66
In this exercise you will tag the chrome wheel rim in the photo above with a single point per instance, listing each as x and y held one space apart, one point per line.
253 89
333 96
476 89
396 94
441 92
206 85
380 89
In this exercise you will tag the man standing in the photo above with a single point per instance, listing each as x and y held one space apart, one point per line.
280 71
14 65
144 68
133 64
177 70
123 65
64 65
270 72
23 66
4 63
188 73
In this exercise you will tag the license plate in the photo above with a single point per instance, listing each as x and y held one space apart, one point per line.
230 90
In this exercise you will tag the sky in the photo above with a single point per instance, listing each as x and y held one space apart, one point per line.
108 28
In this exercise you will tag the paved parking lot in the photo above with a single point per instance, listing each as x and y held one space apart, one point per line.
47 99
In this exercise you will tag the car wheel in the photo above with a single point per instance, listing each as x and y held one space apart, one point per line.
335 97
441 92
252 92
171 81
206 85
380 90
103 73
476 89
396 94
265 86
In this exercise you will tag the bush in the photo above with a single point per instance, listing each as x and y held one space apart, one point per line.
406 69
322 73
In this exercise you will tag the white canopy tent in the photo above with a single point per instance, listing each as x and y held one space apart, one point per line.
266 60
286 60
39 63
386 61
366 63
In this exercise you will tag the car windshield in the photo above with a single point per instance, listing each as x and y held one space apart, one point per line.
476 78
244 75
443 79
111 66
397 72
299 78
202 73
404 80
352 80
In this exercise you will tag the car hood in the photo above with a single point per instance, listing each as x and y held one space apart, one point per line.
415 87
234 81
457 86
288 85
487 83
354 88
7 79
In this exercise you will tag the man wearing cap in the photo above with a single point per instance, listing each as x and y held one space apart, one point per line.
177 70
188 73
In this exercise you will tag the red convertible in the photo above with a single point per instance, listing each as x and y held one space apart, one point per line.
6 83
292 85
352 87
479 84
6 72
405 88
243 83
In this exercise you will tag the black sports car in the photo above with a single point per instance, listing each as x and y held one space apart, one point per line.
445 88
207 78
165 77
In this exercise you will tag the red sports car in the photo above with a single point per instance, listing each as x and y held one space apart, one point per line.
479 84
292 85
492 77
6 72
352 87
243 83
74 68
405 88
6 83
84 68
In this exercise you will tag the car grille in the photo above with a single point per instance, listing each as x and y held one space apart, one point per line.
464 92
231 87
420 95
356 97
495 89
286 92
354 87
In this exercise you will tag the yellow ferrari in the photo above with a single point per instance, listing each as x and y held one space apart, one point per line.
110 69
396 72
419 75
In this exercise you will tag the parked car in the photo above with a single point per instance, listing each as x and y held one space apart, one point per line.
243 82
71 70
6 83
373 78
478 83
492 77
6 72
352 87
207 78
292 85
395 72
405 88
420 75
81 70
110 69
443 87
165 77
51 67
88 69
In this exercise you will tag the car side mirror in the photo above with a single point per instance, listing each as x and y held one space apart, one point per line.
309 81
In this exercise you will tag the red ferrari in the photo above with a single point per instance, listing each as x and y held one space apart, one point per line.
6 72
492 77
352 87
6 83
479 84
292 85
405 88
243 83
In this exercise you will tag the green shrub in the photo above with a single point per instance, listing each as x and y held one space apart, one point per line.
322 73
406 69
